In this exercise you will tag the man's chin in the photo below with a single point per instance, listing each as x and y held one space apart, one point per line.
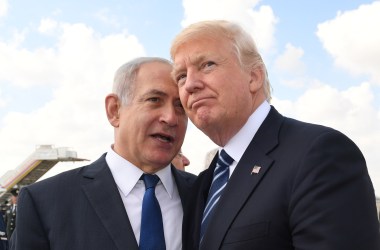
201 118
202 122
162 161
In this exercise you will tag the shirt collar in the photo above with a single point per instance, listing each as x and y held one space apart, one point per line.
126 175
240 142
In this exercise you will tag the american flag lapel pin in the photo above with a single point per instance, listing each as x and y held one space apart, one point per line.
255 169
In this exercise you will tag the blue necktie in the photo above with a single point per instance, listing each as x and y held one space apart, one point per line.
219 182
152 230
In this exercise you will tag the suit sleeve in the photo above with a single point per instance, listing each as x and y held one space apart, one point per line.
29 232
333 202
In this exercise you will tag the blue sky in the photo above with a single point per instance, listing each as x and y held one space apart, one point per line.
57 60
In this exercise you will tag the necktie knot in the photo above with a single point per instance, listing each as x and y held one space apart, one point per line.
150 180
222 166
224 159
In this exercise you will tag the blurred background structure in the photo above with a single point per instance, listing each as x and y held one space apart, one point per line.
33 168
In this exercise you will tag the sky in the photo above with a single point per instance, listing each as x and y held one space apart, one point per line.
58 58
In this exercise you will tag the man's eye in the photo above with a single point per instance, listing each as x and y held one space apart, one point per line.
181 78
153 99
179 106
208 64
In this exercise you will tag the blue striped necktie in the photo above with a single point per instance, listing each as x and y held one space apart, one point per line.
219 182
152 230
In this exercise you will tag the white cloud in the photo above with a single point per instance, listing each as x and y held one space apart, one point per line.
290 67
351 111
352 40
80 53
47 26
3 7
259 23
2 100
290 61
81 65
26 68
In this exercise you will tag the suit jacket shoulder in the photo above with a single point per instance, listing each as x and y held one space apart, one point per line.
71 209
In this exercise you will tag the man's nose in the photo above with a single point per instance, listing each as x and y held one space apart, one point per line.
169 116
193 81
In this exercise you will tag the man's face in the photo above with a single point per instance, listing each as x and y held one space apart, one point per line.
14 199
180 161
151 128
214 89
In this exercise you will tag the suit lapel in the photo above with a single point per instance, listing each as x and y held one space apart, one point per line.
183 184
205 179
102 193
242 183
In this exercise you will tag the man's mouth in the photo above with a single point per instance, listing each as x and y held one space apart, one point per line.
197 102
164 138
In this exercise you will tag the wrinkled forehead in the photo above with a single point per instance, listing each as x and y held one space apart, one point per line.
189 59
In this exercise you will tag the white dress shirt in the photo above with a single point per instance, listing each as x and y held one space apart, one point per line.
132 189
240 142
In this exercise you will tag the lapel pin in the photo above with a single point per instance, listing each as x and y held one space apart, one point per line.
255 169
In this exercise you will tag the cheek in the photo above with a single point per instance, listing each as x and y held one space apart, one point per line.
182 126
238 88
138 124
183 95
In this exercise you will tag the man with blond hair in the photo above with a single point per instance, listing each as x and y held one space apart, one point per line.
276 183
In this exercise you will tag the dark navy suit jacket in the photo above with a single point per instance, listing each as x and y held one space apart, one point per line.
78 209
3 235
312 192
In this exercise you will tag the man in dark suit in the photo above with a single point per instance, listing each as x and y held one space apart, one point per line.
10 214
99 206
3 234
279 183
180 161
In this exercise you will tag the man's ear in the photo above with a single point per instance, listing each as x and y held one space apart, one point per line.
257 79
112 109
